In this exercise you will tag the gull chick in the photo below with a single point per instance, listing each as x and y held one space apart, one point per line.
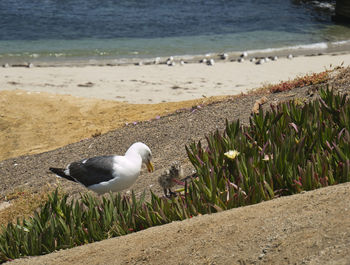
109 173
170 178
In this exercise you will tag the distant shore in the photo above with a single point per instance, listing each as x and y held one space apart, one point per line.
154 83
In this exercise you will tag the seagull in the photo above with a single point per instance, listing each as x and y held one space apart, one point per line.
244 54
113 173
224 56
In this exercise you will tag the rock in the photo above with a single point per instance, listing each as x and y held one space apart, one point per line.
258 103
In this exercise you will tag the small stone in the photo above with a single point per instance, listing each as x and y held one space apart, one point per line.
261 255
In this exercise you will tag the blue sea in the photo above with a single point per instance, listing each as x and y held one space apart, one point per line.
122 30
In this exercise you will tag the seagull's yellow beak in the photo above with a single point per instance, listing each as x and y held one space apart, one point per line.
150 166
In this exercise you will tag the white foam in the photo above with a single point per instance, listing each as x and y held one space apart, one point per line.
313 46
324 5
342 42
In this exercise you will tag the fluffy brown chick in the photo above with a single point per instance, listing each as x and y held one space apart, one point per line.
170 178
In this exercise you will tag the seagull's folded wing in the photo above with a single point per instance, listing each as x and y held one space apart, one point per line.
93 170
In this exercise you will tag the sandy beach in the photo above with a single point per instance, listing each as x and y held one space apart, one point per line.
161 83
39 105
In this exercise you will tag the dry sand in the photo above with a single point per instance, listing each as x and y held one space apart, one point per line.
162 83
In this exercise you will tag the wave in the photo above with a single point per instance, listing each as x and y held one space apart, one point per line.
324 5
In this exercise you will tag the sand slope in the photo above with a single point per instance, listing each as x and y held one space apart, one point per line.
34 122
299 229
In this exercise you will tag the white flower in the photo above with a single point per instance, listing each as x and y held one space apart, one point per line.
231 154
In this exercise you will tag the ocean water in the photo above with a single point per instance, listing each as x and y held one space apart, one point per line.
63 30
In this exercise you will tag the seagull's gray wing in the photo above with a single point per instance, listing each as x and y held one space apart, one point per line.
93 170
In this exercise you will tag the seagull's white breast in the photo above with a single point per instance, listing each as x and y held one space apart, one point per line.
125 172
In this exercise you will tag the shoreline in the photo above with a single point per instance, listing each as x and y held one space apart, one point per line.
312 49
158 83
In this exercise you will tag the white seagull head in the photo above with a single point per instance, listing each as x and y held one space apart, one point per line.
145 153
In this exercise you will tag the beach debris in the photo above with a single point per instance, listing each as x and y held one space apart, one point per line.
87 84
211 62
258 103
244 55
290 56
224 56
170 177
